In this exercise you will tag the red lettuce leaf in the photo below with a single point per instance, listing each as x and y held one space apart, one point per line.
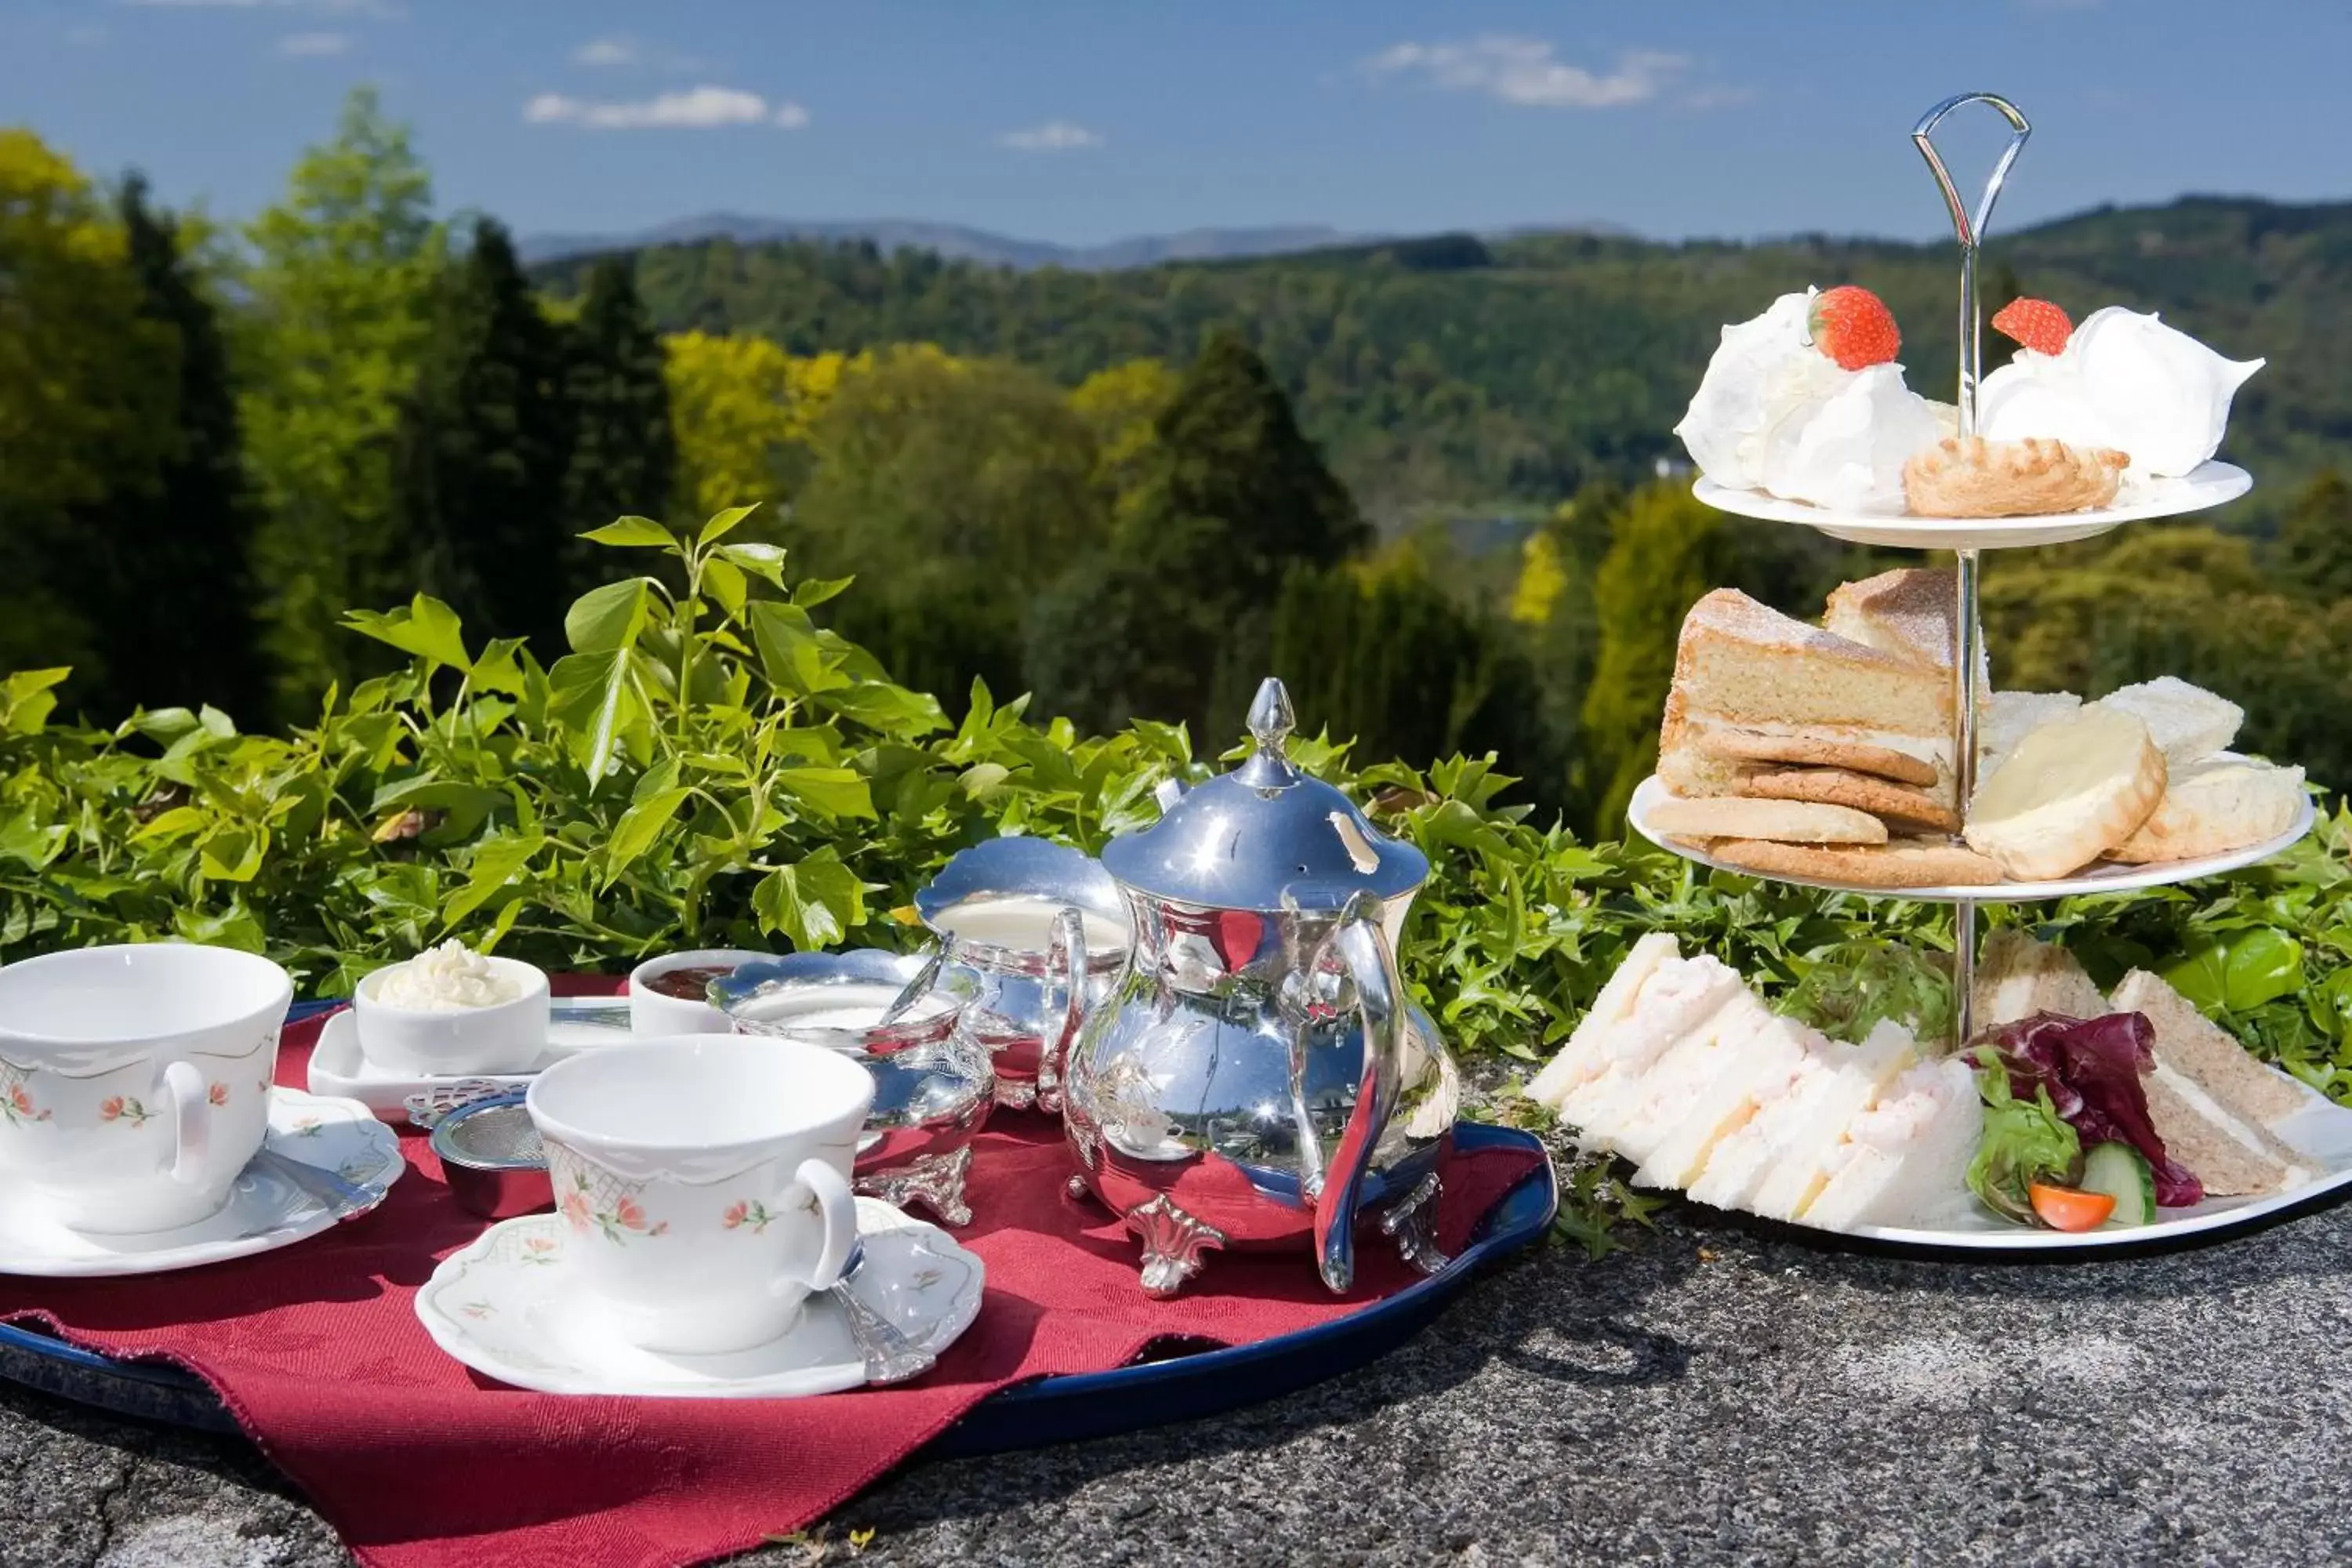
2090 1069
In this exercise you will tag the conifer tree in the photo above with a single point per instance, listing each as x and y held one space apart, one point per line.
2316 539
624 455
483 447
172 548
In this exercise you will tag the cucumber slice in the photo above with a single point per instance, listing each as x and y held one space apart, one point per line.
2119 1170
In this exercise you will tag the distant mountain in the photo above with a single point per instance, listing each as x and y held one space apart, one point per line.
953 241
1462 372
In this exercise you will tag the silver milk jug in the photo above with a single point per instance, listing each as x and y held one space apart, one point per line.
1031 933
1255 1079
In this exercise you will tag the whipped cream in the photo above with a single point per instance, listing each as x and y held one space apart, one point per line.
1775 414
447 979
2124 381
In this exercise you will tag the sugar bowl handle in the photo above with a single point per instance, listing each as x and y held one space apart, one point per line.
1066 968
1363 948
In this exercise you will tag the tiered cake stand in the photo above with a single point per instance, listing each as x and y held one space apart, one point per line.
2209 486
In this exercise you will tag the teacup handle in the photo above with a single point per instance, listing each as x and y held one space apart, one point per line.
837 1210
191 1123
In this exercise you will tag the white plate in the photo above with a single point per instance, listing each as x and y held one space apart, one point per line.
505 1307
2106 876
338 1067
264 1210
2209 485
2322 1130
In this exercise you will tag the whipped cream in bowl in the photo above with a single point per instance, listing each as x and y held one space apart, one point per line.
1775 414
450 1010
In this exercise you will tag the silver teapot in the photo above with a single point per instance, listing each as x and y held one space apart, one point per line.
1255 1079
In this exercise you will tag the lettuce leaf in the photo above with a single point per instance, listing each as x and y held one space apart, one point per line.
2025 1141
1852 987
2090 1070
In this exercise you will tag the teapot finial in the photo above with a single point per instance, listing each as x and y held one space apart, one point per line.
1270 721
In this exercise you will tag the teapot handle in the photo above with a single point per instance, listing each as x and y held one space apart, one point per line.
1065 965
1363 948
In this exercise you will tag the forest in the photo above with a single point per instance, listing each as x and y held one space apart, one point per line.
1420 480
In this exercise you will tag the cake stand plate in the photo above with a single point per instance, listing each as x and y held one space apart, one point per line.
2106 876
2322 1132
2209 485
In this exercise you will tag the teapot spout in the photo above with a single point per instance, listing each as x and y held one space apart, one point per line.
1363 948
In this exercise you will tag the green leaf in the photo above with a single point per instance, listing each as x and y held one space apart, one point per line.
426 627
235 854
496 864
901 714
35 844
816 590
632 533
725 583
27 701
2262 967
725 523
790 655
2201 977
176 823
815 904
606 618
635 832
593 696
765 561
832 792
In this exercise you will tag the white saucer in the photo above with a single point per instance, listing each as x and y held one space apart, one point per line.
2102 877
265 1212
338 1067
2209 485
505 1307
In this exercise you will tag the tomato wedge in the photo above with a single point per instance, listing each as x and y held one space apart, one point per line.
2065 1208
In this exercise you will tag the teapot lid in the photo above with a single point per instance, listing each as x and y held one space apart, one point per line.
1245 839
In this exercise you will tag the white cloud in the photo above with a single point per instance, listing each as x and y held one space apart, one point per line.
695 108
314 44
1054 136
1527 71
605 52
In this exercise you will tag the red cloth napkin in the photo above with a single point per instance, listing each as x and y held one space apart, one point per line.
421 1463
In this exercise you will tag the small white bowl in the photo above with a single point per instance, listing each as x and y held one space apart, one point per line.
505 1036
651 1013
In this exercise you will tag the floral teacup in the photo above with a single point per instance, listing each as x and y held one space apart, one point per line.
134 1081
705 1179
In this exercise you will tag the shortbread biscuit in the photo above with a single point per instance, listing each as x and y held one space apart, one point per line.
1789 821
1907 810
1814 751
1972 477
1902 863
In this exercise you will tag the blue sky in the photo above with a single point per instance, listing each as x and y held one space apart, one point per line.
1081 121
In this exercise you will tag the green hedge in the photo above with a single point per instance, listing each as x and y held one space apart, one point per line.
709 766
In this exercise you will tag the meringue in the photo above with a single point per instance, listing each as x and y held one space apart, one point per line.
1775 414
2125 380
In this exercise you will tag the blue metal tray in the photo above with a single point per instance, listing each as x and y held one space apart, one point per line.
1052 1410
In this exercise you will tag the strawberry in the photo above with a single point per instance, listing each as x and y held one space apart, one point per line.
2036 324
1853 327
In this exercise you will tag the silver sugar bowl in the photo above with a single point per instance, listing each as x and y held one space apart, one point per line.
1034 934
932 1082
1256 1079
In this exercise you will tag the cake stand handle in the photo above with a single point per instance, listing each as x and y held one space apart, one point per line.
1970 227
1966 658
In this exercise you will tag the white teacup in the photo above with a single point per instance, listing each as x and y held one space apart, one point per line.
653 1012
134 1081
706 1177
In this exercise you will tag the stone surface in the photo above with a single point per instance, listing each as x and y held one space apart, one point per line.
1717 1394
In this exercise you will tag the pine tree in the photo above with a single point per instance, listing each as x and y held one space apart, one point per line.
175 585
2316 539
624 455
483 447
1173 619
